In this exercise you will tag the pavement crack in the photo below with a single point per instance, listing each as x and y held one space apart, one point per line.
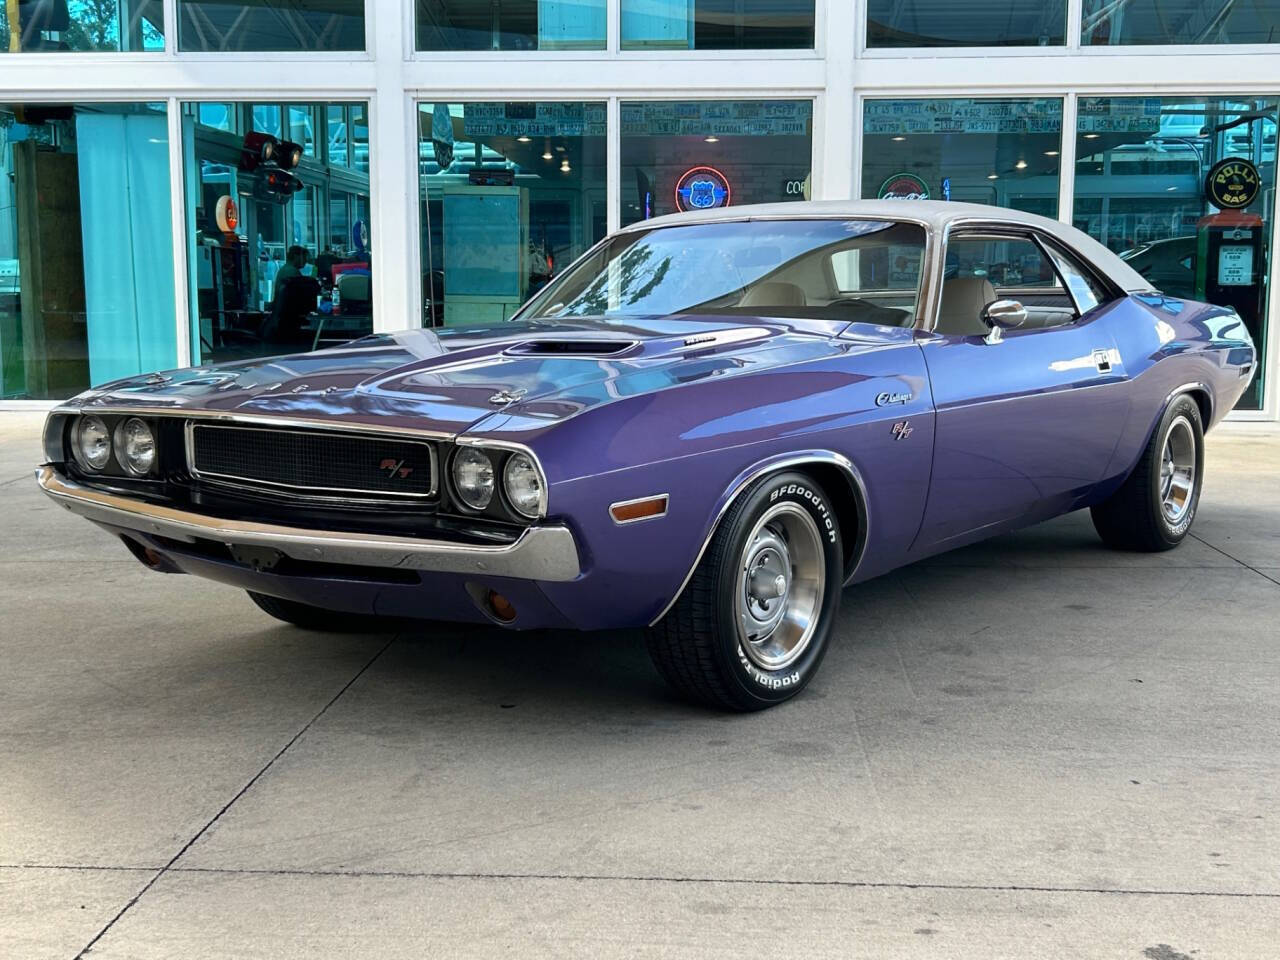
228 805
1247 566
733 881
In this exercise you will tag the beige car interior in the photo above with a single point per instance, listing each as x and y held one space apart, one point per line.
964 296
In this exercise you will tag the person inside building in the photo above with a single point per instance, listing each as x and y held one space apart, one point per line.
294 263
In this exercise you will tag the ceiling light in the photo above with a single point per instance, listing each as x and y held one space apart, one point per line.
522 139
1091 136
564 165
1021 165
546 155
899 139
1051 153
1170 189
993 176
710 139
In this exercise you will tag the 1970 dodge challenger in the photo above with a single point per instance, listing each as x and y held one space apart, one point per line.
707 426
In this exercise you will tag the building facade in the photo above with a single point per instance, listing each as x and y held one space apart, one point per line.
188 181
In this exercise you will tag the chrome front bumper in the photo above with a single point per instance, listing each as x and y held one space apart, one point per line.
546 553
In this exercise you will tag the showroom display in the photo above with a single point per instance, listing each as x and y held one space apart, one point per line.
706 426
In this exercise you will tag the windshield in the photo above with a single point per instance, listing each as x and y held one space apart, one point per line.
851 270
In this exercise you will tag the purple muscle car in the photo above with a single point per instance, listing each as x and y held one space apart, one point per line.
707 426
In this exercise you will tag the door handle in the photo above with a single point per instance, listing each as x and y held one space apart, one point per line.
1102 360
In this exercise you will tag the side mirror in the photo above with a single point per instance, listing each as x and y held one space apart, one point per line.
1001 315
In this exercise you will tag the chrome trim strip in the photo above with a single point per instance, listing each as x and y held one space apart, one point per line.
664 497
1188 388
548 554
773 466
253 483
253 419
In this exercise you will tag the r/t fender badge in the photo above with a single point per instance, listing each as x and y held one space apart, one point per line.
902 429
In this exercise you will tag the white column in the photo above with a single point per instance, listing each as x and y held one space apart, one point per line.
393 175
834 138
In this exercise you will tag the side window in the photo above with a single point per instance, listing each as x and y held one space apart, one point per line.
980 269
1008 263
1085 292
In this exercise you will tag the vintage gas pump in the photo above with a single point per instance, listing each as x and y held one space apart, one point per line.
1231 256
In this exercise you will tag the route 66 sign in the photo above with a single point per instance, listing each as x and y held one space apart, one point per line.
702 188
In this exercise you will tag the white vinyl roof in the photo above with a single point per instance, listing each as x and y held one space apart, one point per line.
935 215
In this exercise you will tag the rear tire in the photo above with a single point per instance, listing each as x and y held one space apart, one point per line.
752 624
1155 506
307 617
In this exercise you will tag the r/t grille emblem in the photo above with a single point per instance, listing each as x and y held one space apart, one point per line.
902 429
395 469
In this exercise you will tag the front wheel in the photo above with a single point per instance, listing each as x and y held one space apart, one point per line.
752 625
1154 507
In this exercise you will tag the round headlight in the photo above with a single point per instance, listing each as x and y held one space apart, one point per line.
523 485
93 443
473 477
135 446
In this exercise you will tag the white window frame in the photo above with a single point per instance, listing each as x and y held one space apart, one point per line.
838 75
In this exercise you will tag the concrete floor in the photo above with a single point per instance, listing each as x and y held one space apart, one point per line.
1030 748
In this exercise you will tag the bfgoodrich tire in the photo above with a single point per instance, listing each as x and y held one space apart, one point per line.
1154 508
752 624
316 618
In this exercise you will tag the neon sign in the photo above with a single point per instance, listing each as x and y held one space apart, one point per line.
702 188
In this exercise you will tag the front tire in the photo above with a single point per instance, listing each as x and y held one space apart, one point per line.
307 617
753 623
1154 508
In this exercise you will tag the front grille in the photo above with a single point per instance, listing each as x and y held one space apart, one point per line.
312 462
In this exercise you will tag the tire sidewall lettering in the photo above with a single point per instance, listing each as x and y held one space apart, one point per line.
794 675
799 491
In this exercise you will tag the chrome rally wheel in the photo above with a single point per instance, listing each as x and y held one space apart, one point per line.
1178 470
752 624
781 580
1154 507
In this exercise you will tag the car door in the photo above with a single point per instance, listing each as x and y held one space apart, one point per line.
1027 422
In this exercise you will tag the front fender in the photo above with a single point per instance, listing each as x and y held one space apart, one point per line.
703 444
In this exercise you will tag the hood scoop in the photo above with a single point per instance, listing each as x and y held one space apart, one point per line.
566 347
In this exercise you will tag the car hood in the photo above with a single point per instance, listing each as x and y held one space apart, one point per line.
449 380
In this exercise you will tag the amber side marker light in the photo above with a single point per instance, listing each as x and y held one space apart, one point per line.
629 511
501 607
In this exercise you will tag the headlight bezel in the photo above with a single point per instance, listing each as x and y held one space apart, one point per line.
501 505
120 447
456 484
77 444
519 459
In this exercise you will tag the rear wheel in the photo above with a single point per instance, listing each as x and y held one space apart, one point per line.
307 617
1154 508
752 625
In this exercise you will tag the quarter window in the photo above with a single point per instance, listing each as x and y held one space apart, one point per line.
1086 292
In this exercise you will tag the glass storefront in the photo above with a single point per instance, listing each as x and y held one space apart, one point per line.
278 234
983 23
1179 21
1140 188
700 154
510 24
998 151
219 26
86 246
65 26
510 194
717 24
